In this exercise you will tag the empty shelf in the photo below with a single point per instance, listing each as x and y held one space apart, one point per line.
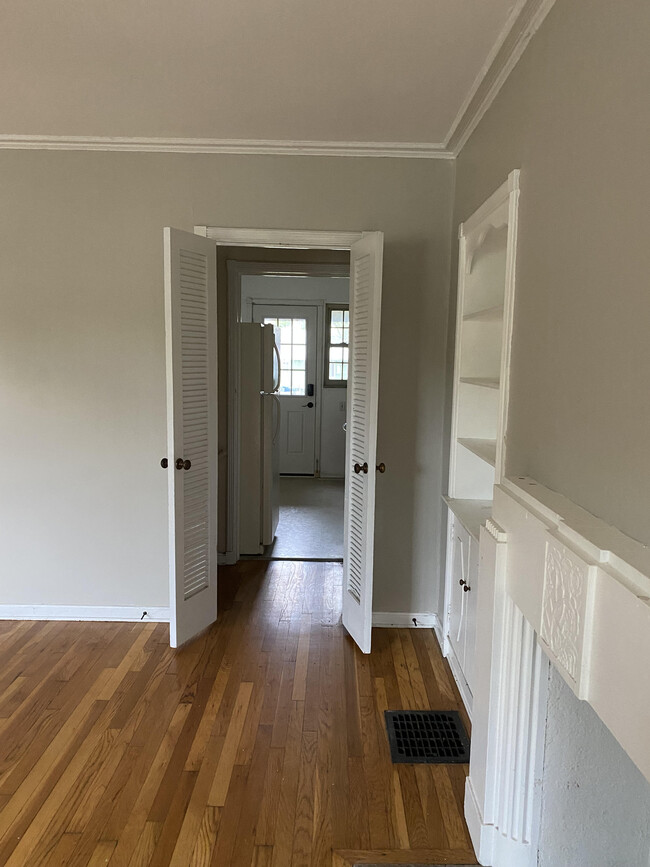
488 314
486 450
472 514
483 382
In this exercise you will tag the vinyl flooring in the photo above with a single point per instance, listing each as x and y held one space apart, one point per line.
259 744
311 519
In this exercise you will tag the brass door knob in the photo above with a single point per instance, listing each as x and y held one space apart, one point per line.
361 468
381 468
183 465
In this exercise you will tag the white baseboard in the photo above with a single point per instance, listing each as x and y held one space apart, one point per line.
492 848
84 612
482 835
229 558
405 620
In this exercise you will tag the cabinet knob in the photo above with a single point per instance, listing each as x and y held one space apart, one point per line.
462 582
466 588
361 468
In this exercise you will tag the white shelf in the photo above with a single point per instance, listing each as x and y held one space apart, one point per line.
472 514
488 314
483 382
486 450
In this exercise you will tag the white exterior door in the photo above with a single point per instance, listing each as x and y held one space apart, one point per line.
297 327
191 349
366 258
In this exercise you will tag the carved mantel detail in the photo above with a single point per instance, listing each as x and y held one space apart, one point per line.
565 612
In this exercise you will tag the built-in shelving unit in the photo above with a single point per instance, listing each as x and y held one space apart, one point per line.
489 314
481 381
485 300
480 406
486 450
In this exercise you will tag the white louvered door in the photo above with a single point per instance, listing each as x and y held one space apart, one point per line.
191 345
366 258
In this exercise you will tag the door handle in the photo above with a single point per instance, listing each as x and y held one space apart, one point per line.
183 465
361 468
310 405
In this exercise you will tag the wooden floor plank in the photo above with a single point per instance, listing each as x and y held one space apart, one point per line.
260 744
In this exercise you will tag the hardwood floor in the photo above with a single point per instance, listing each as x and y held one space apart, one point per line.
260 744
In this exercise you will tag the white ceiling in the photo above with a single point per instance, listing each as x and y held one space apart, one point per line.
306 70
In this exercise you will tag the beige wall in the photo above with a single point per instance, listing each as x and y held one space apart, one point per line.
575 117
82 377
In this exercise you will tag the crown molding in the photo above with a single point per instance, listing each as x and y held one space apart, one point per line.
522 24
524 21
408 150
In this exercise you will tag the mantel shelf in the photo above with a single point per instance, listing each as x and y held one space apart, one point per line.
480 381
488 314
486 450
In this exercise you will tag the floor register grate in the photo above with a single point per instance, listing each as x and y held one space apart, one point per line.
426 736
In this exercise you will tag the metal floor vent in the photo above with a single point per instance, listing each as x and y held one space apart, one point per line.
426 736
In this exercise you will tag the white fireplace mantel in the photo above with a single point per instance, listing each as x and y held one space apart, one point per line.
552 578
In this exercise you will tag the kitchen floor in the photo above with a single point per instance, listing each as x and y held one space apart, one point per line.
311 519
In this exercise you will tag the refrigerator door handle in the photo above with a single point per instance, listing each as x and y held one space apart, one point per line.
276 385
277 423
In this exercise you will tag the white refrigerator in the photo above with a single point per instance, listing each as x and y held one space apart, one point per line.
259 426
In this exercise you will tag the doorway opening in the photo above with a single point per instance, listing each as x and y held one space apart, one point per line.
301 308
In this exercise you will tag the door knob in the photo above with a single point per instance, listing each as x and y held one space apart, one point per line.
310 405
183 465
361 468
164 463
381 468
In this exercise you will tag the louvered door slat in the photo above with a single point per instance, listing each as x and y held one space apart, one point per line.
365 312
190 291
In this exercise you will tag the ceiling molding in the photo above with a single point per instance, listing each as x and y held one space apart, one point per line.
523 23
409 150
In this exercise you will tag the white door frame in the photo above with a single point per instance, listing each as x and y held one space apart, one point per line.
273 239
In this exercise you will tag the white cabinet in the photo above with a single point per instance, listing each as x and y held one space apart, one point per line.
486 271
461 619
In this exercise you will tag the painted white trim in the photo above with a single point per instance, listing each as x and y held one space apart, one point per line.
404 620
490 205
563 559
228 558
295 239
459 677
84 612
524 21
140 144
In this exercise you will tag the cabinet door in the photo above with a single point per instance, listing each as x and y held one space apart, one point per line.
470 614
459 572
